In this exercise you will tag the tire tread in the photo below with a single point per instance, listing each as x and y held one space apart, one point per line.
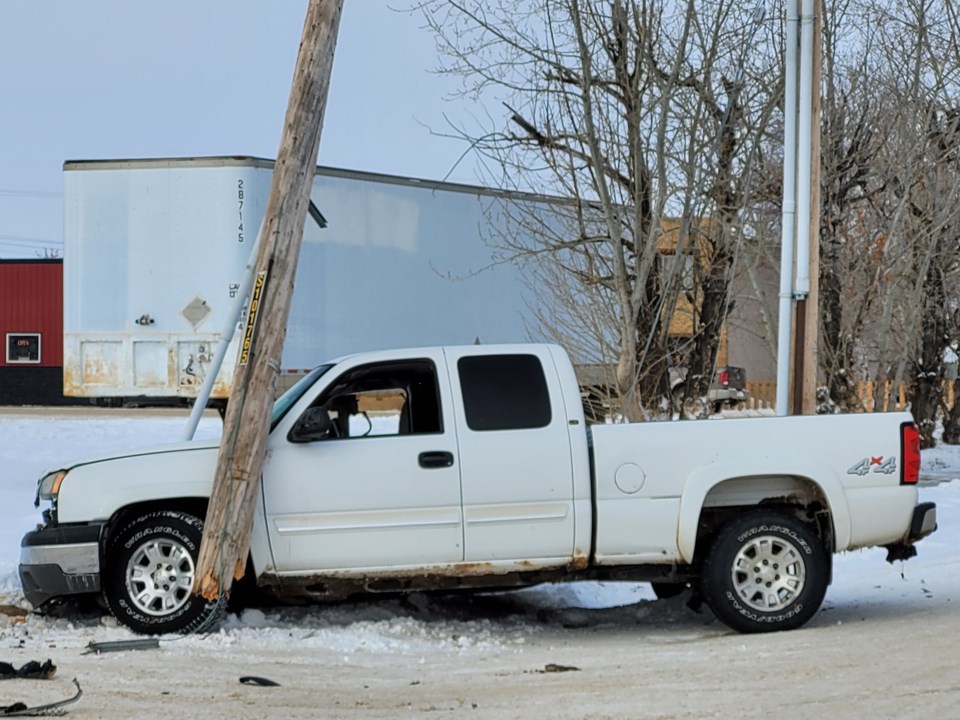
210 613
716 567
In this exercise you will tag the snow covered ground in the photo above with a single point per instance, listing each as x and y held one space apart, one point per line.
487 656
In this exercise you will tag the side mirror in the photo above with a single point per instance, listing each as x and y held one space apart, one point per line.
315 424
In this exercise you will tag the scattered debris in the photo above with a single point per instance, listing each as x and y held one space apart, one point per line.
262 682
118 645
32 670
20 709
554 668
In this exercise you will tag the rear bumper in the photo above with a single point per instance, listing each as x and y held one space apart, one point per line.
58 561
726 395
923 523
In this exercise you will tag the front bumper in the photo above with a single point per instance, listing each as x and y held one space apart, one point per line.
60 560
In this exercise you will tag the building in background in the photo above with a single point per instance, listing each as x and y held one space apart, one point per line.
31 327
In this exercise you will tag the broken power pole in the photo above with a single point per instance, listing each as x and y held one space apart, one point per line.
226 535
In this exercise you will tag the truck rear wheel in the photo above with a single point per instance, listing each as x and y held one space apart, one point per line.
765 571
150 569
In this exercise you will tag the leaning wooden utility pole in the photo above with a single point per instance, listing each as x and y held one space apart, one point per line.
811 357
226 534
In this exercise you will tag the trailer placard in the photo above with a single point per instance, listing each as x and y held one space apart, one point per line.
258 286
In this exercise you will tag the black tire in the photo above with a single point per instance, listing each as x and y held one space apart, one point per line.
667 590
157 600
765 571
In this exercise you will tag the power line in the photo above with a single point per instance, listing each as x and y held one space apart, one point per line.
16 241
5 192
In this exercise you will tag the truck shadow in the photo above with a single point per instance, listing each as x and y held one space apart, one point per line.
507 610
542 606
546 609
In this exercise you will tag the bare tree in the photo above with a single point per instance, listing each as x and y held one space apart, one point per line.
656 121
890 211
852 132
641 115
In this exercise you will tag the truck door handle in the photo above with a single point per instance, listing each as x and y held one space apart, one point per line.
436 459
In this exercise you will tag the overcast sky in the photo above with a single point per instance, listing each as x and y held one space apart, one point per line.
124 78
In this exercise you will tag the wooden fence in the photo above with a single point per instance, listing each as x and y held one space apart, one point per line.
763 395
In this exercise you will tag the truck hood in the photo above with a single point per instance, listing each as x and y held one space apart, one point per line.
138 452
95 488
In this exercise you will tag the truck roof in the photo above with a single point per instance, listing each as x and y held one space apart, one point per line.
494 349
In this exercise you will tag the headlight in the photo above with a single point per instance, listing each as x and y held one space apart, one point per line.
49 486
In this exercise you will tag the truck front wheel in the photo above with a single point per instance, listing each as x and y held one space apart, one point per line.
765 571
150 569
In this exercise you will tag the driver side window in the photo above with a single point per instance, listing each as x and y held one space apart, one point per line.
369 413
383 399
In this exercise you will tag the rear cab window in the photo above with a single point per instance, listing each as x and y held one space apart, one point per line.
504 392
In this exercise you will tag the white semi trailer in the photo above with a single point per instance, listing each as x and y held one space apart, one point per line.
155 250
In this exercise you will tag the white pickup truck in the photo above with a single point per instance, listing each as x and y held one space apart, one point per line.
461 467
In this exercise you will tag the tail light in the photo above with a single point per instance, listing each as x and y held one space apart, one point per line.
723 378
910 454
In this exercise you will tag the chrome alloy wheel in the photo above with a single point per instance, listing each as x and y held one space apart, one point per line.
160 576
768 573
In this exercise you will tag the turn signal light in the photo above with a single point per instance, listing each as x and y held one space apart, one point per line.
910 453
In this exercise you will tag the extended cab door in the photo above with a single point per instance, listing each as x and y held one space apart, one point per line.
514 455
381 486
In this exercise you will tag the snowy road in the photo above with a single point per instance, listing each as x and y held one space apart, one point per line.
884 646
655 660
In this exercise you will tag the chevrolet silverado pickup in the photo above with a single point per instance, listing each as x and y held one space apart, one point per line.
473 467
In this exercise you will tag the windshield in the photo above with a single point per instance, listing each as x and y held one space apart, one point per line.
290 397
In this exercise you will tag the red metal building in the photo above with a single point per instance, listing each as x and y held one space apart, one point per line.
31 329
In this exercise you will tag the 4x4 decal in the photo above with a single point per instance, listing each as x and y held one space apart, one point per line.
879 465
